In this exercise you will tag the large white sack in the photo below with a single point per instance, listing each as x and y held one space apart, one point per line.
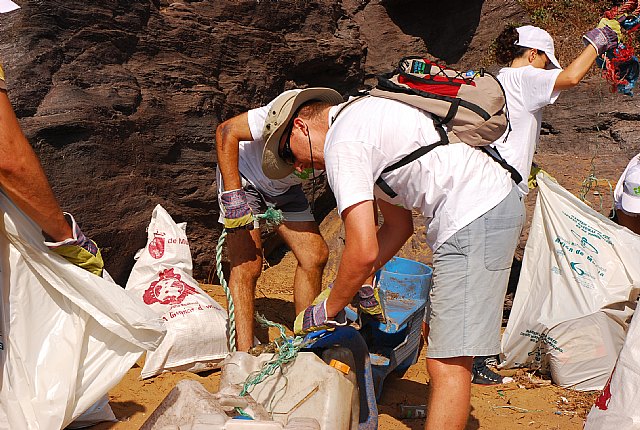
617 406
576 262
66 335
196 324
590 347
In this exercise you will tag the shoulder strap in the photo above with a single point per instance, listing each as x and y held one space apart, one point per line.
493 152
409 158
489 150
347 104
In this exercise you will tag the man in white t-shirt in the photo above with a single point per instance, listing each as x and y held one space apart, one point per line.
473 214
243 192
627 196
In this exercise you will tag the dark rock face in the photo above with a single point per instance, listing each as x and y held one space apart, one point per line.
121 98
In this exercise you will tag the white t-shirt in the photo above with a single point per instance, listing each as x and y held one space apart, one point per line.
617 193
528 89
250 157
451 185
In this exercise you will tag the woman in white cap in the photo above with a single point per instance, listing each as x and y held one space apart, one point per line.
627 196
532 80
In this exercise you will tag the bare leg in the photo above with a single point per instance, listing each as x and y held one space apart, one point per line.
245 254
312 253
425 332
450 400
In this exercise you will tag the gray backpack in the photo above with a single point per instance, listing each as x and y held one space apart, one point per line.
471 104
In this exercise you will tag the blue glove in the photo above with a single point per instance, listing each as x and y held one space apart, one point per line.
237 213
603 39
79 249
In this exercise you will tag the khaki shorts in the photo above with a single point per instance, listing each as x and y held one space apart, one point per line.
470 276
293 203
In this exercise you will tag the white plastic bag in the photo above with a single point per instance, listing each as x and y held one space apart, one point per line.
99 412
590 347
576 263
66 335
196 324
617 406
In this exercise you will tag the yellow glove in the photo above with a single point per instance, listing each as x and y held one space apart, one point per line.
237 213
612 24
314 318
367 300
79 249
3 83
535 169
79 256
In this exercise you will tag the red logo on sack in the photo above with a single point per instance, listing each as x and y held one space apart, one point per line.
156 246
602 402
168 289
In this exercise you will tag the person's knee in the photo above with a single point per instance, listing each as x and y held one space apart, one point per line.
449 366
247 271
314 256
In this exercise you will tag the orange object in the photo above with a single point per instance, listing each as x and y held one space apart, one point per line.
339 365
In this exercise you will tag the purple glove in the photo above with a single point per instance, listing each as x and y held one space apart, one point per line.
237 213
367 300
79 249
314 318
603 39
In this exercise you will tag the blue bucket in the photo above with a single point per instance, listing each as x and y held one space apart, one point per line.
404 289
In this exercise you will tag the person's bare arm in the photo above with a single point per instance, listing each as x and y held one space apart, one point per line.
24 180
394 232
358 257
228 137
573 74
366 250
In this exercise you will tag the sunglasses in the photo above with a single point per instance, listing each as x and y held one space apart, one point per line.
285 152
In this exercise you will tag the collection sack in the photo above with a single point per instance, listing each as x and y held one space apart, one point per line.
576 293
66 336
162 280
617 405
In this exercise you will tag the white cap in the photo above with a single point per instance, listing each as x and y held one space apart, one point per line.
536 38
630 199
7 6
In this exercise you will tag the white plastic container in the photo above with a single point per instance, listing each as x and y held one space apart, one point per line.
306 388
216 422
341 358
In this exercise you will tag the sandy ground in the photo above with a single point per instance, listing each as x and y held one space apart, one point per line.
529 402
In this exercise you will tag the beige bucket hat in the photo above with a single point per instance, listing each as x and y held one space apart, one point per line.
278 118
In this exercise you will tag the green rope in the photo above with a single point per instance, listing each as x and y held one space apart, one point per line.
231 310
287 349
273 217
590 182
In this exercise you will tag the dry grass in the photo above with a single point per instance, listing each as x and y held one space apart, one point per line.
571 402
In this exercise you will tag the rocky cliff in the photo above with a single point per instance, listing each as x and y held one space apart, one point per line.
121 98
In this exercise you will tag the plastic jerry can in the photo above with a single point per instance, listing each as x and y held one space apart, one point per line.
341 358
304 388
216 422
